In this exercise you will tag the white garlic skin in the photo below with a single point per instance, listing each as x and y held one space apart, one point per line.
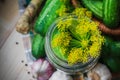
58 75
101 71
43 69
36 66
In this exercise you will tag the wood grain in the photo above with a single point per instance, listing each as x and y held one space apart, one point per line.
13 59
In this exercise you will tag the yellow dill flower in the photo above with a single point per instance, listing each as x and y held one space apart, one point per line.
79 12
88 14
94 26
101 40
94 38
64 25
95 50
56 41
80 38
64 50
82 30
90 41
75 56
82 12
84 43
62 10
84 58
61 39
65 38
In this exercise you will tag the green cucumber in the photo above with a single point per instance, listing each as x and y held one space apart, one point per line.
111 47
111 13
95 6
47 16
112 63
111 54
38 46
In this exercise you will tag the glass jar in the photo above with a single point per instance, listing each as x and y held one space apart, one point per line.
60 63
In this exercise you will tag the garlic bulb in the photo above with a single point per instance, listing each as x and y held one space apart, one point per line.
100 72
58 75
42 69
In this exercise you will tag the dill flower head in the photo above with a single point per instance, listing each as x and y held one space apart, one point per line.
84 43
73 55
79 37
82 12
77 55
61 39
89 38
62 10
64 25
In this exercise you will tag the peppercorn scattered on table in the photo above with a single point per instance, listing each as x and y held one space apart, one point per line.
13 61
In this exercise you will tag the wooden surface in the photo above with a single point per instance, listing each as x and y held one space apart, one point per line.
13 64
9 14
12 54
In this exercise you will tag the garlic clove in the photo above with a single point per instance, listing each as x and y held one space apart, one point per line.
100 72
36 66
58 75
43 69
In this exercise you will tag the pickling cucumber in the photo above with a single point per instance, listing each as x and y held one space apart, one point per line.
111 54
111 47
111 13
47 16
113 63
95 6
38 46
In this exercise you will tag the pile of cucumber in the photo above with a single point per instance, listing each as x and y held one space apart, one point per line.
110 54
106 10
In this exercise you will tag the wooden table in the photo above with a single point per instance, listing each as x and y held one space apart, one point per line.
13 64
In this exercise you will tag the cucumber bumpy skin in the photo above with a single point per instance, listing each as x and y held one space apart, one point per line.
38 46
111 47
112 63
111 13
111 54
95 6
47 16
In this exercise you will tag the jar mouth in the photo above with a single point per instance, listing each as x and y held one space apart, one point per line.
62 64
